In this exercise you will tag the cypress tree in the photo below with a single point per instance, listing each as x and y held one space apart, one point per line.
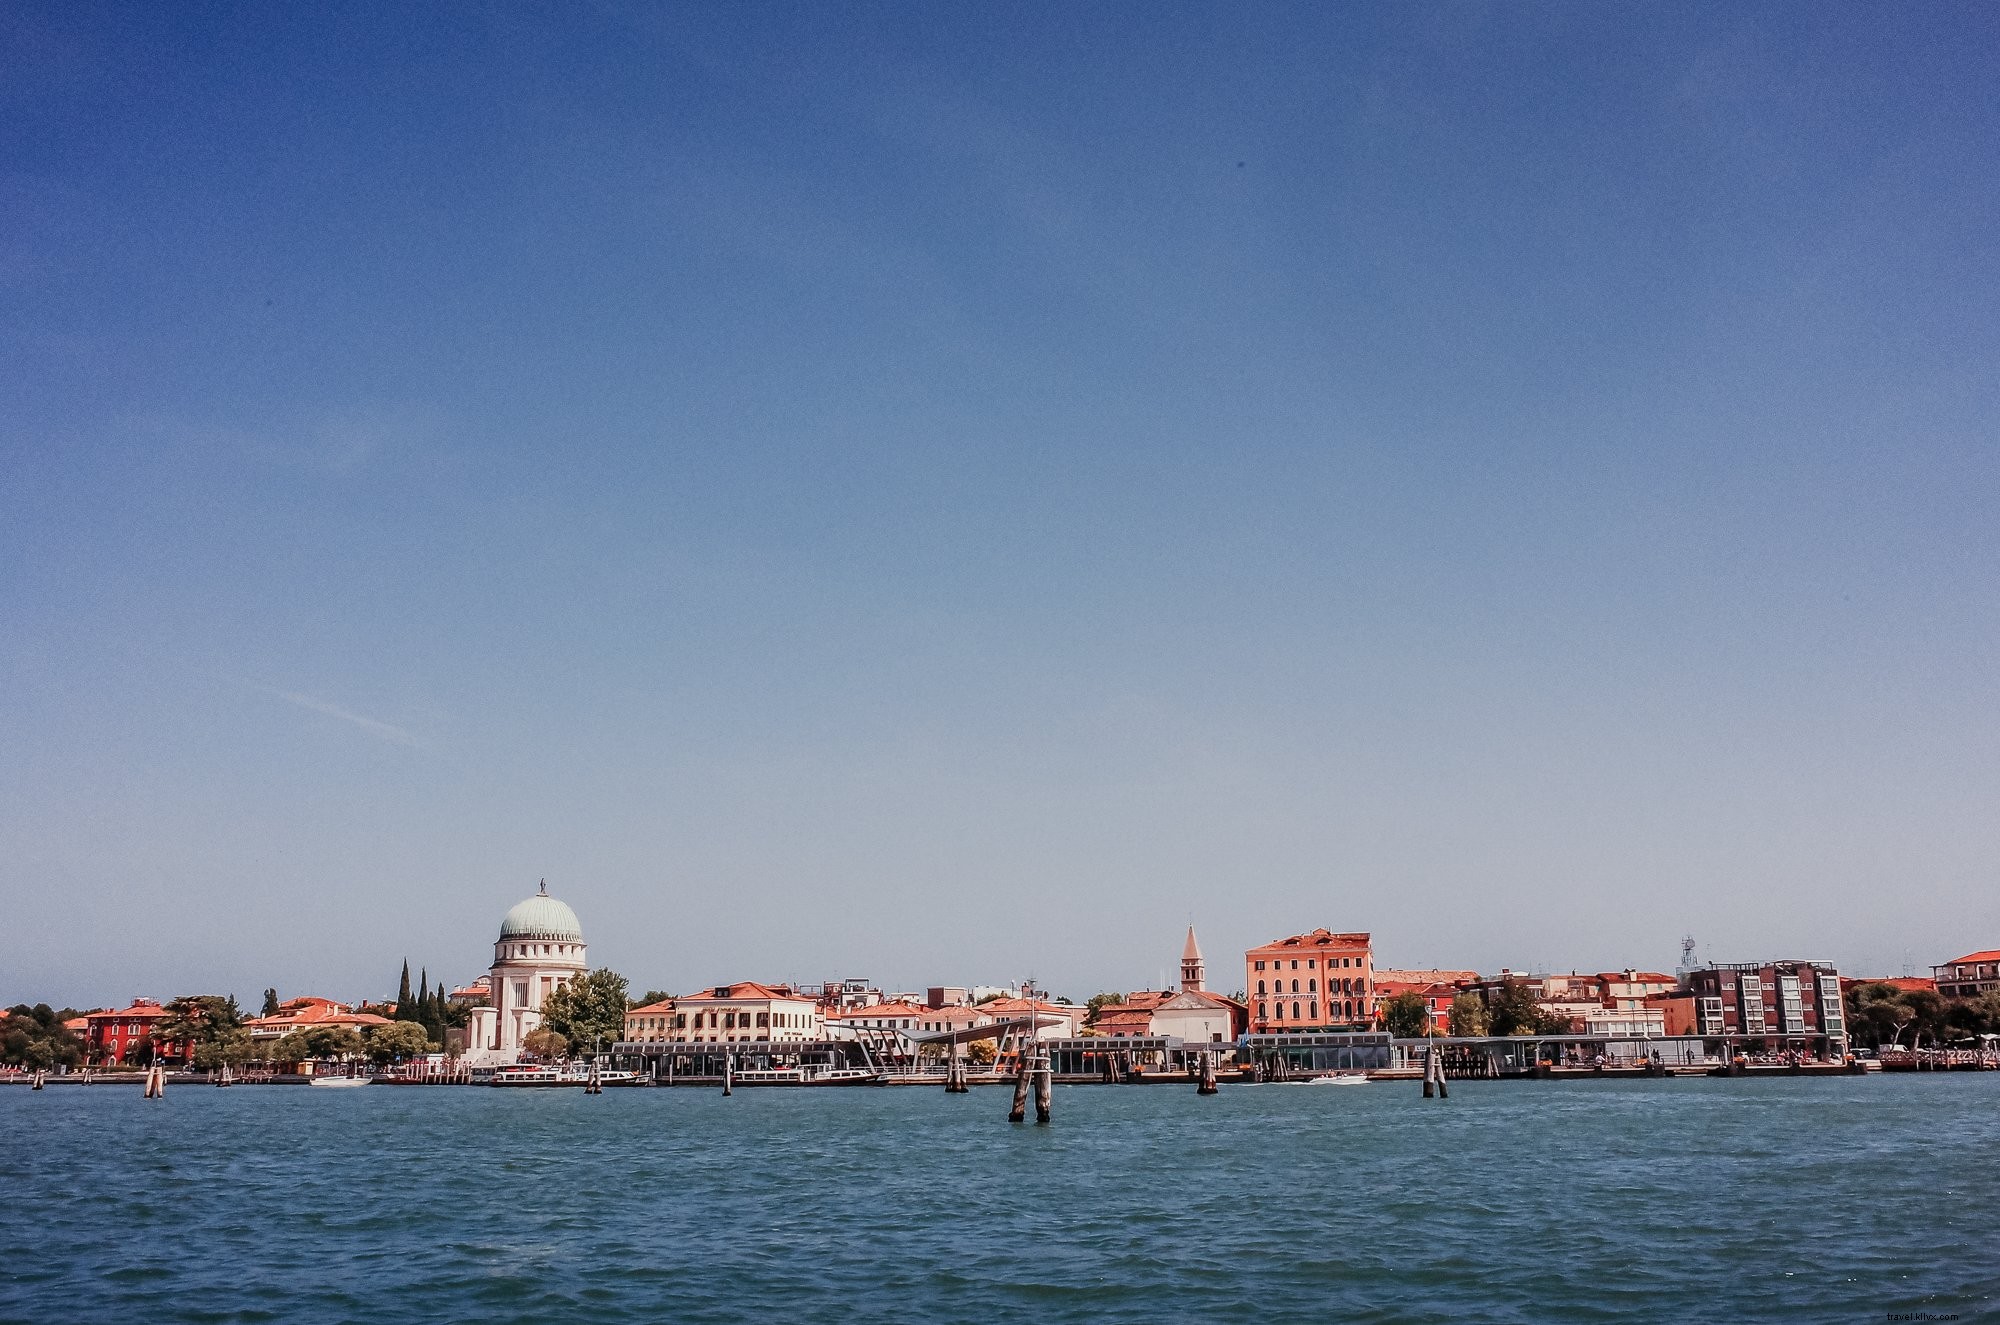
404 1012
423 1017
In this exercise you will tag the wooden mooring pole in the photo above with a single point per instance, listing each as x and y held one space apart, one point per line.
729 1074
156 1082
1207 1084
1019 1112
1045 1088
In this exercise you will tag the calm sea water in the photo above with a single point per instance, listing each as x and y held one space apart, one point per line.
1811 1200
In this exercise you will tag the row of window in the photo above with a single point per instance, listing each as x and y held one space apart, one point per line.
1344 986
1345 1009
729 1020
1331 963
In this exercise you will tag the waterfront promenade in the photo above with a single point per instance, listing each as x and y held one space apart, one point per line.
1808 1199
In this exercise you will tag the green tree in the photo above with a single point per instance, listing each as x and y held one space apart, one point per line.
270 1003
399 1039
545 1043
404 1010
588 1010
194 1020
650 997
1407 1016
1513 1011
1468 1015
35 1038
330 1042
229 1048
141 1052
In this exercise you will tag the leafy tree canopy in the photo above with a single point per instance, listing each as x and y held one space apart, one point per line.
1468 1015
198 1019
333 1042
1406 1015
589 1009
545 1043
227 1048
399 1039
35 1038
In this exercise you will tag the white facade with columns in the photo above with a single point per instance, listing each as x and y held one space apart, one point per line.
539 950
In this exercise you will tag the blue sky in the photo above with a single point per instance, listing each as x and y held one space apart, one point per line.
943 493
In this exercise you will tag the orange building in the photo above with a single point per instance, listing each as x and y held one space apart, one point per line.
1311 982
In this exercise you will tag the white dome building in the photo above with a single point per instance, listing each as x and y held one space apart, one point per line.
539 950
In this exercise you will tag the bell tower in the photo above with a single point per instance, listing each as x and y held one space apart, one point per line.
1193 974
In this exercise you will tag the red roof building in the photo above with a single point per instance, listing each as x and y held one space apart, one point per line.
299 1014
1321 981
1969 976
110 1037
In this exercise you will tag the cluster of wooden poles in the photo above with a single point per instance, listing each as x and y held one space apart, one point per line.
1434 1073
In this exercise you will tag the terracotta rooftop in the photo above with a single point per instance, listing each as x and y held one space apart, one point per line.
1319 938
1990 955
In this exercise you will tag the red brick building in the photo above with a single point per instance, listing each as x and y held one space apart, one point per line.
110 1036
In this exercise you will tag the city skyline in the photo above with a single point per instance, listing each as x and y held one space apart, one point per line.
974 492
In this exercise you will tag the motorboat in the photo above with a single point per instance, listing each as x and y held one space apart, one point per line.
337 1082
1340 1079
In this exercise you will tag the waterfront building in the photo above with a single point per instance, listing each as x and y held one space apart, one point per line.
1191 1013
1631 988
1969 976
305 1013
109 1037
1677 1014
539 950
1311 982
952 1017
1053 1021
1784 1001
1436 986
747 1011
1640 1023
893 1015
653 1022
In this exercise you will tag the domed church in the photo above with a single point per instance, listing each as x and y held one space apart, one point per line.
539 950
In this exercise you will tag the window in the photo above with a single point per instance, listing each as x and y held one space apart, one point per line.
1263 1011
1312 986
1312 1011
1295 1012
1260 986
763 1019
1279 1015
1295 986
1260 966
1309 963
1295 963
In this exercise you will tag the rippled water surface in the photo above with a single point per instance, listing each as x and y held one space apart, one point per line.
1812 1200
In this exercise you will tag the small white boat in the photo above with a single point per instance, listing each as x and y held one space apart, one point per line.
1340 1079
339 1081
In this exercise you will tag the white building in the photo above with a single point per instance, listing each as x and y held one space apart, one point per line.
539 950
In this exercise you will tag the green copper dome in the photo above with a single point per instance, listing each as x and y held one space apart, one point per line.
542 917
